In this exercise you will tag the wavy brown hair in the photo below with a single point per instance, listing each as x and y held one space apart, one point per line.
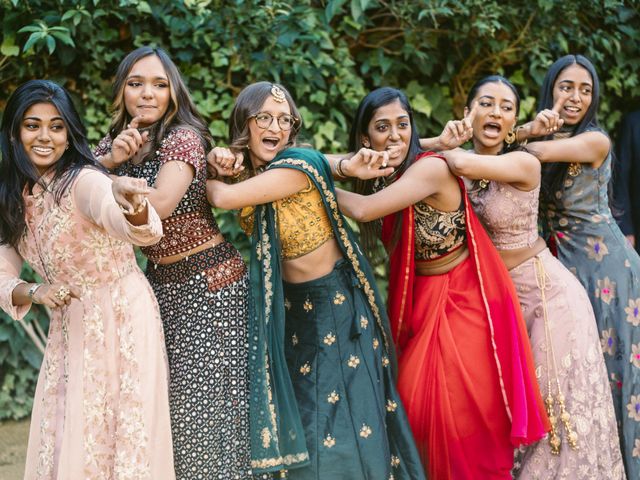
181 111
248 103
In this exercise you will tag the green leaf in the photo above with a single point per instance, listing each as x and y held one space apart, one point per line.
64 38
33 38
51 44
9 48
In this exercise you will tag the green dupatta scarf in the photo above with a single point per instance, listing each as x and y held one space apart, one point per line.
277 436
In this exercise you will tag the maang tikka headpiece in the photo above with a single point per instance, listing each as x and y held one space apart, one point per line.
278 94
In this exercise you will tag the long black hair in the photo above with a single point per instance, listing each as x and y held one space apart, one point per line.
553 174
181 111
370 231
495 79
16 169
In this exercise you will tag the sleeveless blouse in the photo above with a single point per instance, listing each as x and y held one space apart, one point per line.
303 224
192 222
438 233
509 215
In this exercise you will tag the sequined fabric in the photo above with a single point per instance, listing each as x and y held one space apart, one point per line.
192 223
303 224
203 304
509 215
437 232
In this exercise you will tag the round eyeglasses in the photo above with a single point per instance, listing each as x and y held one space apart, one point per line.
265 119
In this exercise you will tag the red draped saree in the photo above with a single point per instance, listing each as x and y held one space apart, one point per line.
465 365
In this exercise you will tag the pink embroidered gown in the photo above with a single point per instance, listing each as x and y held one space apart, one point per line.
101 408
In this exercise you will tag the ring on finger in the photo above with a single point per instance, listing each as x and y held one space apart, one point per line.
62 293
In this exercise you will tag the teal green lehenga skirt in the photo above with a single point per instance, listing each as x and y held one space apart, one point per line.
354 423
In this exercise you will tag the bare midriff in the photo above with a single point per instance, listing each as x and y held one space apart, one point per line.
314 264
218 239
442 264
513 258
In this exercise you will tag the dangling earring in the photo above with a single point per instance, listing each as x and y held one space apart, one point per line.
511 137
67 147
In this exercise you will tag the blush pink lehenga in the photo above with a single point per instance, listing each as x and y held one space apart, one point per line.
101 408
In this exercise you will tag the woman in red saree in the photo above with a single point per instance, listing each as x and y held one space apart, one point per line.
465 366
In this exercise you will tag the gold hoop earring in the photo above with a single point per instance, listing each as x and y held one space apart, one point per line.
511 137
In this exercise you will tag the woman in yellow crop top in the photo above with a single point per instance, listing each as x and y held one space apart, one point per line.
466 372
320 349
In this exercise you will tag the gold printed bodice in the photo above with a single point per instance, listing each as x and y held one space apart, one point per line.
302 221
438 233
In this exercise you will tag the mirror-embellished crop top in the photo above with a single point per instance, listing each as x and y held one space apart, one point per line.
509 215
438 233
303 223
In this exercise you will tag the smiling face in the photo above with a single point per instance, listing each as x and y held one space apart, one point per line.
574 84
389 129
265 143
147 91
43 134
495 116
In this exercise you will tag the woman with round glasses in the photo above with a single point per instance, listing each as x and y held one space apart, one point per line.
200 279
318 331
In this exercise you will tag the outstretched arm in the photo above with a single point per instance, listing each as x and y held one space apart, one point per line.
587 147
421 180
520 169
267 187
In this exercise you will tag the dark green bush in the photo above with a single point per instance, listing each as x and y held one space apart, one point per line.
328 53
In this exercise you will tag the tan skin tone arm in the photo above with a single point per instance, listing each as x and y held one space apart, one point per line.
428 178
587 147
44 295
268 187
519 169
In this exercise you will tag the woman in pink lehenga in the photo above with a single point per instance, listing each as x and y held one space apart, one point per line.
101 409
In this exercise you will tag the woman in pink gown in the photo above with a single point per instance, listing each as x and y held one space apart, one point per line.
101 407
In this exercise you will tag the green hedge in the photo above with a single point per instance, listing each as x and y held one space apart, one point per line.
328 53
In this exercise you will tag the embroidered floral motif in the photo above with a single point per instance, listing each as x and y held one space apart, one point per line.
333 397
636 448
287 304
364 323
633 312
596 248
339 299
606 290
391 405
607 341
376 343
385 361
329 339
308 306
395 461
294 339
329 441
633 407
635 355
305 369
265 435
365 431
354 361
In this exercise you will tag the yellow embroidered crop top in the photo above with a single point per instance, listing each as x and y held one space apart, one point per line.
302 222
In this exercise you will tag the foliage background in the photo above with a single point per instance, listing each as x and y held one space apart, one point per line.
329 53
